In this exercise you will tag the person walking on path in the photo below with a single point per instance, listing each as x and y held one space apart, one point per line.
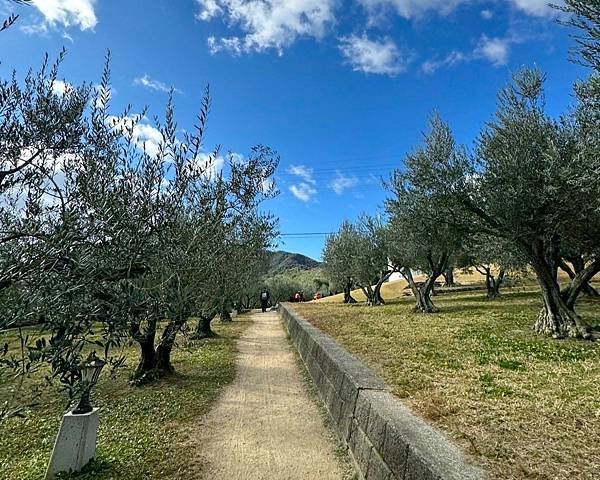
264 300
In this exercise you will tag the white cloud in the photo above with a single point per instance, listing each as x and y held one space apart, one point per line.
153 84
232 44
410 9
306 189
495 50
373 56
209 9
431 66
67 13
341 183
267 24
303 191
60 87
303 172
210 165
539 8
143 135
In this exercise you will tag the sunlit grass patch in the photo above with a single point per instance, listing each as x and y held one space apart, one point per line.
138 425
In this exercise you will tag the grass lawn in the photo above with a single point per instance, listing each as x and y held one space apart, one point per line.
524 405
139 426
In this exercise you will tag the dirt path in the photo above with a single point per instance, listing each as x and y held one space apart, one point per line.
265 426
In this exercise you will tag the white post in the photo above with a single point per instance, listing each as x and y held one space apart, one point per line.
75 444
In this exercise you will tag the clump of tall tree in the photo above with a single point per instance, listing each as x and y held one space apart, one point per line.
104 239
420 237
356 257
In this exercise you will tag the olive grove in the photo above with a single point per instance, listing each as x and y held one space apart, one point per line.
526 197
105 239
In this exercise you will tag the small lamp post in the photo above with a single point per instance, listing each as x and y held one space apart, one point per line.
90 372
75 444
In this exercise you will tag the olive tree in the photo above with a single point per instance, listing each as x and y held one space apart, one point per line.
40 133
533 190
337 259
584 15
492 257
357 255
421 235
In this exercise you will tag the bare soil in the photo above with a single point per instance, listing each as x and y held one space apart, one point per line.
265 426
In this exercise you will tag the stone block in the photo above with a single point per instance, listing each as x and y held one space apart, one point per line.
335 406
376 427
349 392
360 447
378 470
345 421
75 444
361 412
395 451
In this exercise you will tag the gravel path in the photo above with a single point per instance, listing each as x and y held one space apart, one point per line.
265 426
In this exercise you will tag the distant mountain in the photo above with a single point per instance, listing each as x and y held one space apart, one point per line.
280 262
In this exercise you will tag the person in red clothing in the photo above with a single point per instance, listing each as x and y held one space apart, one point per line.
297 297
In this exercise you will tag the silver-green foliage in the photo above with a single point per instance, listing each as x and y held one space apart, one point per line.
101 237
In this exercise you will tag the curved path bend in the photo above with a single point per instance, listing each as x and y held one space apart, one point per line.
265 426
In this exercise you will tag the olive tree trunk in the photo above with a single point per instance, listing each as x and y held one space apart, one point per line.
449 277
557 317
165 347
348 298
225 314
421 292
377 298
580 283
579 270
492 283
203 327
145 340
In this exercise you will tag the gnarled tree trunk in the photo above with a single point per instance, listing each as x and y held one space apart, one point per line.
203 327
368 292
449 277
165 347
580 282
348 298
557 318
578 271
421 292
492 283
377 298
225 314
145 340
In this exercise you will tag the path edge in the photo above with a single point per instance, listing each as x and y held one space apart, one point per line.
386 441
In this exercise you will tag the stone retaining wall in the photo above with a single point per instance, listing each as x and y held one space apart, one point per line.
386 440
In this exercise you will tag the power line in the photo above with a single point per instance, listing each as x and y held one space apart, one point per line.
306 234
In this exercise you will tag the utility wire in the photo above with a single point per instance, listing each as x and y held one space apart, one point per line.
306 234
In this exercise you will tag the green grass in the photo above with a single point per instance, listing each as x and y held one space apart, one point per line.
526 406
139 426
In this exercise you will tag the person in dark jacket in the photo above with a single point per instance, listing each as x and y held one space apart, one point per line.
264 300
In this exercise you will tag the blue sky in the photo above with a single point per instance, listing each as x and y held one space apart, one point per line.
341 89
